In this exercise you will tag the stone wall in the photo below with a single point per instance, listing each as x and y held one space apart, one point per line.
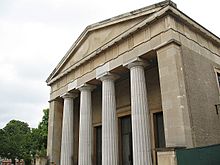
166 157
203 94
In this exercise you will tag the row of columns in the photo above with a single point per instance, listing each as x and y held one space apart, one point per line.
139 115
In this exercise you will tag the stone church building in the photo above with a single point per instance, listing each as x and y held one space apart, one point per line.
133 88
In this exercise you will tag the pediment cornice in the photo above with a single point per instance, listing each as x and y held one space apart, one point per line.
157 13
114 20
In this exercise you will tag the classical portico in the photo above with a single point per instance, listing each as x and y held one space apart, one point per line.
141 135
120 93
114 121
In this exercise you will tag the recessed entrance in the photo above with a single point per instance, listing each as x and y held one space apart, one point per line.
98 145
126 140
159 130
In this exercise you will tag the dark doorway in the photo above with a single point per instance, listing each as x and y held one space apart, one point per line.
159 130
98 145
126 140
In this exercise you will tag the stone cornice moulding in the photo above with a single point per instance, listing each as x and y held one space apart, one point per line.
55 99
72 85
107 45
131 62
166 10
187 20
102 70
114 20
108 75
86 86
172 41
70 95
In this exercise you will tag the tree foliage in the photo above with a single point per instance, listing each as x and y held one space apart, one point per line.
39 135
18 140
14 141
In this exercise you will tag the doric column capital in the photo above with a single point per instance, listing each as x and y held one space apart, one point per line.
109 76
136 62
69 95
86 87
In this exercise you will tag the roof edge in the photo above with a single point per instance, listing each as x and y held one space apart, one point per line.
105 23
137 11
177 13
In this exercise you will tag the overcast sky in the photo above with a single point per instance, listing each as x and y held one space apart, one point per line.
35 35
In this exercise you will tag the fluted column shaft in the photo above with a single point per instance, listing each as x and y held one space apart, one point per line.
140 115
85 128
109 122
67 131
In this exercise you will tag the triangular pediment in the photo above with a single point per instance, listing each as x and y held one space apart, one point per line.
100 36
101 33
96 38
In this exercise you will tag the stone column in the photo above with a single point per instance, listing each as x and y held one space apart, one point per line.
140 115
54 131
109 121
85 127
67 130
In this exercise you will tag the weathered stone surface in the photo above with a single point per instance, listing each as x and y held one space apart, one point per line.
67 145
203 93
181 82
54 131
174 99
86 128
140 115
109 122
166 158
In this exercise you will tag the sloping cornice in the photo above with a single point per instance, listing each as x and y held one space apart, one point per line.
114 20
169 9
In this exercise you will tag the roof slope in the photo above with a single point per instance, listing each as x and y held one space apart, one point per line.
91 32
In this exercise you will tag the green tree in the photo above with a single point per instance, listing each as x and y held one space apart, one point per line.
15 142
43 127
3 143
39 136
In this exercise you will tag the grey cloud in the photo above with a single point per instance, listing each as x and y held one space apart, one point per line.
66 13
20 111
34 70
24 91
